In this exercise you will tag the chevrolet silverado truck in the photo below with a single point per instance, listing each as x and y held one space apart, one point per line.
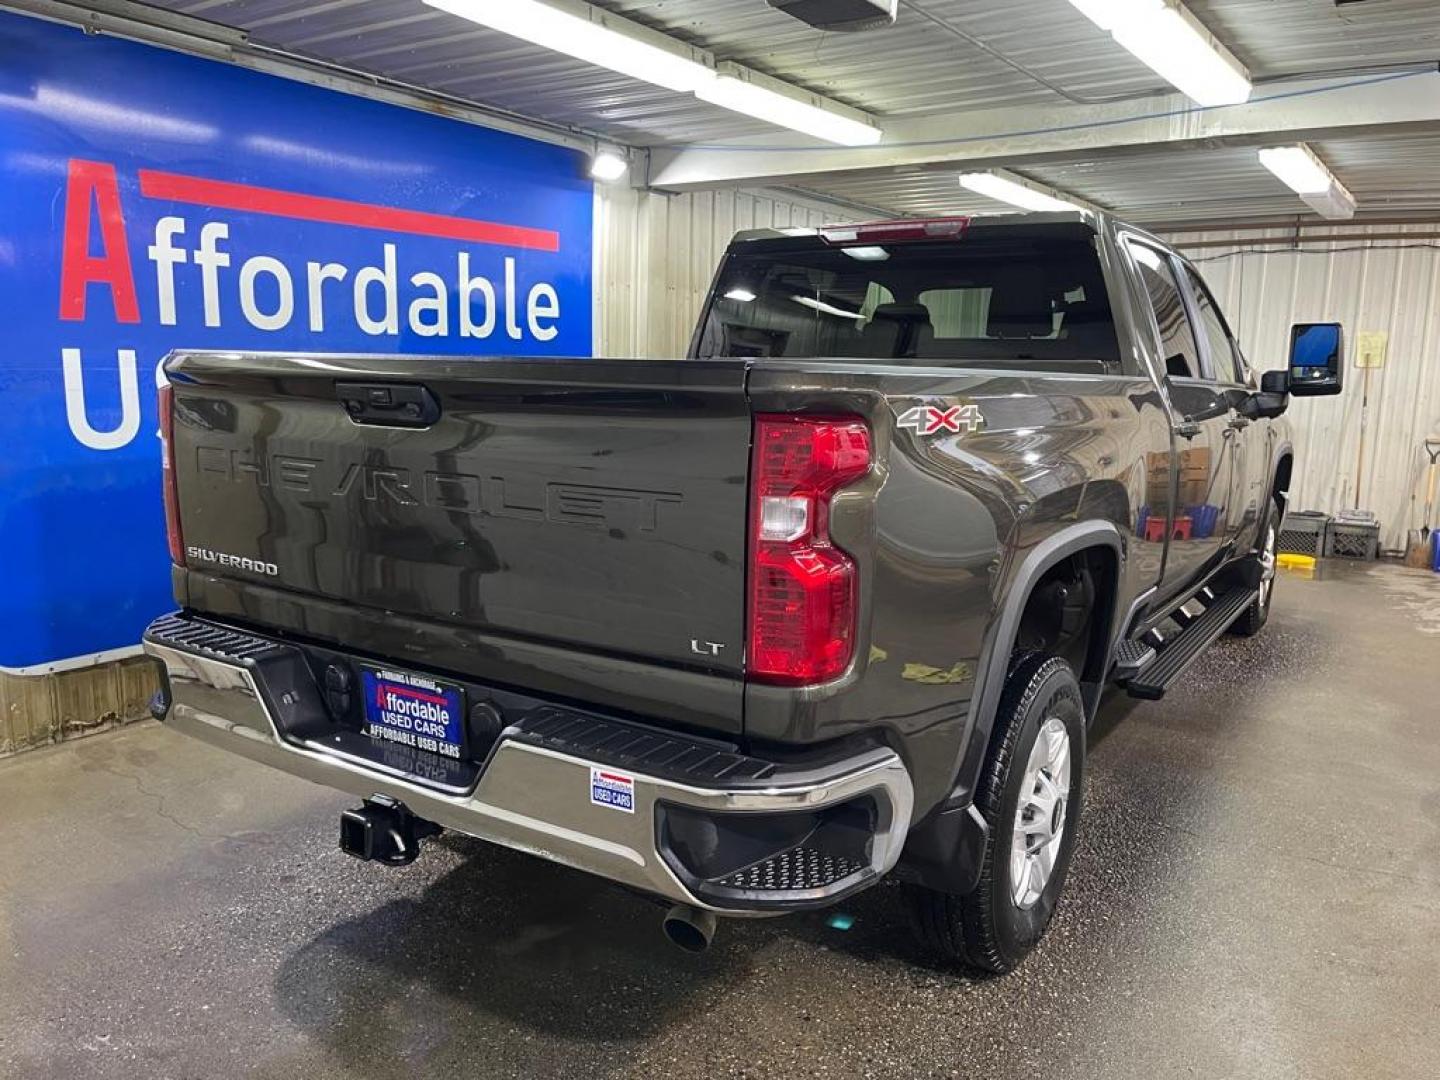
832 598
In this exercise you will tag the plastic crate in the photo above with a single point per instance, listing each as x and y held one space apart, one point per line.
1302 533
1352 540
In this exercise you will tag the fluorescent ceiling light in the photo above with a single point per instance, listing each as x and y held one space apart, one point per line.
828 309
1337 204
742 295
1302 172
996 186
606 40
1175 45
593 36
867 254
608 165
748 93
1306 175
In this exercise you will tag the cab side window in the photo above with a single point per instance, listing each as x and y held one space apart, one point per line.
1177 340
1223 353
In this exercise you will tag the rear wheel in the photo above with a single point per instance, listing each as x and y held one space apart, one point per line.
1029 795
1254 617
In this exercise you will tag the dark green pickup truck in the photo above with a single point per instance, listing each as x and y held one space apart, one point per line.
832 598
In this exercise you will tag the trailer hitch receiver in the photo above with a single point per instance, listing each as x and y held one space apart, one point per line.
384 830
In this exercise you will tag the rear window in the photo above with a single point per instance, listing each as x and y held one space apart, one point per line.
1007 299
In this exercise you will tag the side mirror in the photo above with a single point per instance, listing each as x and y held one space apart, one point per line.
1316 359
1264 404
1272 400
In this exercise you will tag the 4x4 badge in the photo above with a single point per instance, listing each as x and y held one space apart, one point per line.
930 419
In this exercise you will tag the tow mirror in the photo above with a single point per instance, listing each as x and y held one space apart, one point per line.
1316 359
1273 398
1275 382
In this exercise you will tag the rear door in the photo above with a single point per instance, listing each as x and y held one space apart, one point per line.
1248 457
1201 450
595 505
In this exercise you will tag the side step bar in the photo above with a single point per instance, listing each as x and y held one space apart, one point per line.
1169 661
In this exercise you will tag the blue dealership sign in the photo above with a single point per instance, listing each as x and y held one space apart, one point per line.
154 201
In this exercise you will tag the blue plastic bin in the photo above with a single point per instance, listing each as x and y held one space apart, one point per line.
1203 520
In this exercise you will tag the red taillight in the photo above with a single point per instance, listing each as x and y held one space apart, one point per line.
167 475
802 587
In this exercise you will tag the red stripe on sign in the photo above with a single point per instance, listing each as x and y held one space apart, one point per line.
421 694
616 779
246 197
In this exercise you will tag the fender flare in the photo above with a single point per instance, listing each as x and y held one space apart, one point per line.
945 851
1283 449
1005 628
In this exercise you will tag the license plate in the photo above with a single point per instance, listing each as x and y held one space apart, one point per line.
414 711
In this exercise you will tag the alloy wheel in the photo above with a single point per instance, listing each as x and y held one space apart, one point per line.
1040 817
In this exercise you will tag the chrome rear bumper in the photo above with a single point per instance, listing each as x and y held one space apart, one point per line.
537 798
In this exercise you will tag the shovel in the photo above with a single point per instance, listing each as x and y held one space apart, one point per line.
1419 553
1432 450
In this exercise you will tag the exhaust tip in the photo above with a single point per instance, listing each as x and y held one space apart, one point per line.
689 928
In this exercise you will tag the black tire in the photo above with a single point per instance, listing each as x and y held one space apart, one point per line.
988 929
1253 619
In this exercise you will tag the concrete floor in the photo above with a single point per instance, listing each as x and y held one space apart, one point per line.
1257 894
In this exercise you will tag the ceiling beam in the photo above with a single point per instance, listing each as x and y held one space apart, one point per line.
1286 111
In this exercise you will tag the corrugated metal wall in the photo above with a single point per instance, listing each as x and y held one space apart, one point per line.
38 710
656 254
1368 280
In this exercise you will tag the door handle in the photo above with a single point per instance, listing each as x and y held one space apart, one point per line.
389 404
1187 428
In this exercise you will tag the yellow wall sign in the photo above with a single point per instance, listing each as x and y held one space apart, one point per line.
1370 351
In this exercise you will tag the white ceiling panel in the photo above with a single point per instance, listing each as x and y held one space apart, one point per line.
942 57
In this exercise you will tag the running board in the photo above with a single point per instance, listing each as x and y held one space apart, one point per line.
1176 654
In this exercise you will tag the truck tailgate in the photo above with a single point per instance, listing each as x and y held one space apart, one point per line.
593 504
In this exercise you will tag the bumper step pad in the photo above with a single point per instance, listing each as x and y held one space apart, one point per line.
638 748
799 868
206 639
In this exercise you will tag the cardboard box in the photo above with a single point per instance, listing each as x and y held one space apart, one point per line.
1193 491
1193 466
1196 458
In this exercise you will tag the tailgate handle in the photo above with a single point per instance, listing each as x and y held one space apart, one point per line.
389 404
